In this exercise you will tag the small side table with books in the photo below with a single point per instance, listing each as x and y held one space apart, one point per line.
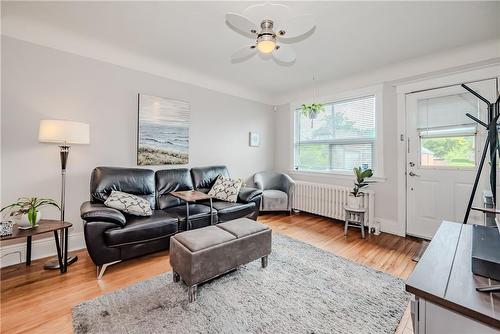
45 226
191 196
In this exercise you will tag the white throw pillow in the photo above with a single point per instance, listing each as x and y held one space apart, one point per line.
129 203
226 189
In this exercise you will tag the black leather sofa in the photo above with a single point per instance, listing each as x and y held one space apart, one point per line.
112 236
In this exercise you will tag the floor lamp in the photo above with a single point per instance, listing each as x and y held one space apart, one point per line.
64 133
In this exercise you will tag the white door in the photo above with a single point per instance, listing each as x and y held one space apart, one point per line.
443 152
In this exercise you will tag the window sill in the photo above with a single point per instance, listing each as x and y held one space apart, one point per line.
335 175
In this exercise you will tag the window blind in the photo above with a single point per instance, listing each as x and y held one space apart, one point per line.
341 137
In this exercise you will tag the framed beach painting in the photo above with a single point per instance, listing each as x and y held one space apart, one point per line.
163 131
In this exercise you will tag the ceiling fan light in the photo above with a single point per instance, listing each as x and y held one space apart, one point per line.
266 46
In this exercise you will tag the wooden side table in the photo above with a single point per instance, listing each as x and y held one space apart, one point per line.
191 196
355 218
45 226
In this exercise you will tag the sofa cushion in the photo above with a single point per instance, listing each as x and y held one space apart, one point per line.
228 211
142 229
274 200
196 240
226 189
128 203
204 177
169 180
135 181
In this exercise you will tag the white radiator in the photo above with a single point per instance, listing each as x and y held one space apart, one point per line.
329 200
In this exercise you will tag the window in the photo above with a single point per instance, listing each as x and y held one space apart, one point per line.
340 138
447 135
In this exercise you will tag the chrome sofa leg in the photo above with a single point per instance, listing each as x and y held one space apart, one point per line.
263 261
192 293
102 269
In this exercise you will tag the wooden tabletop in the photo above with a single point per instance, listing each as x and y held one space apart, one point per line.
444 276
190 195
44 226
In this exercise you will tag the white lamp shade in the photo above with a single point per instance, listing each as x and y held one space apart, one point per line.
63 132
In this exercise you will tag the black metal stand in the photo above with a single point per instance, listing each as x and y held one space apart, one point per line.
55 263
491 288
490 145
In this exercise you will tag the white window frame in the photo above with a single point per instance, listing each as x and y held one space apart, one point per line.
378 161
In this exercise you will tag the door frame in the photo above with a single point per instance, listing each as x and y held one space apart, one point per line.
483 73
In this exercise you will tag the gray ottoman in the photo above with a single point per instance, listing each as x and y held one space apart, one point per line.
199 255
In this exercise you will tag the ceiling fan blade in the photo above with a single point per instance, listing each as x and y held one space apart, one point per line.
284 54
296 26
241 24
243 53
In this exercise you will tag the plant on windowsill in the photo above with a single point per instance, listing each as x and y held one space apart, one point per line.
311 111
26 209
355 199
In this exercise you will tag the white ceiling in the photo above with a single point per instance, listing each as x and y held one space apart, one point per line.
350 37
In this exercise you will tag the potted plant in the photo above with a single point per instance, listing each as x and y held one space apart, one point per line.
27 209
311 111
355 199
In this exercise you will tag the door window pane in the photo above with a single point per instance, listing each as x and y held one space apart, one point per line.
456 151
444 111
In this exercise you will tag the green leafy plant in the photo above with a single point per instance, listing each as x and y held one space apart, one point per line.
29 206
360 183
311 111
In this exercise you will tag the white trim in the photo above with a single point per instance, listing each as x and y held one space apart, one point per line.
375 90
482 73
390 226
401 161
40 248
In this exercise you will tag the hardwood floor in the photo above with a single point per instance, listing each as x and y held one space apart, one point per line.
34 300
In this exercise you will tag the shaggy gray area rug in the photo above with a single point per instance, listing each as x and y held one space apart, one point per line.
303 290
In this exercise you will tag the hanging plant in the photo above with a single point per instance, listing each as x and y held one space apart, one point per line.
311 111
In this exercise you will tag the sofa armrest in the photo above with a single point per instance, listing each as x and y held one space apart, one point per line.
248 194
91 212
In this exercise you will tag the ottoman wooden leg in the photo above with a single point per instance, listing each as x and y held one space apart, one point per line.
263 261
176 277
192 293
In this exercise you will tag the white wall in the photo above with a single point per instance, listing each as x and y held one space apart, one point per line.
43 83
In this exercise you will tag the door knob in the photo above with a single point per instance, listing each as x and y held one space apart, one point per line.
413 174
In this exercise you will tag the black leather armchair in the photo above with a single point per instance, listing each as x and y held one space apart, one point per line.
112 236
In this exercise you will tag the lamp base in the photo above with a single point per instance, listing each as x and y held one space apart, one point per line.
53 264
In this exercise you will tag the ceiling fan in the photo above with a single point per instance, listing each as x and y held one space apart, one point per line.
270 33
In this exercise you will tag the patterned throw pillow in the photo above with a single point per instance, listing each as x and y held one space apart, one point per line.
129 203
226 189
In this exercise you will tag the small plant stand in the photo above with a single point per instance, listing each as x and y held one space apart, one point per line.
355 218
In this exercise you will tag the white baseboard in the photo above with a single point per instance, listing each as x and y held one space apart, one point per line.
391 226
46 247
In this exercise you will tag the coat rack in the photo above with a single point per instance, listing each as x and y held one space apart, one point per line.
491 145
